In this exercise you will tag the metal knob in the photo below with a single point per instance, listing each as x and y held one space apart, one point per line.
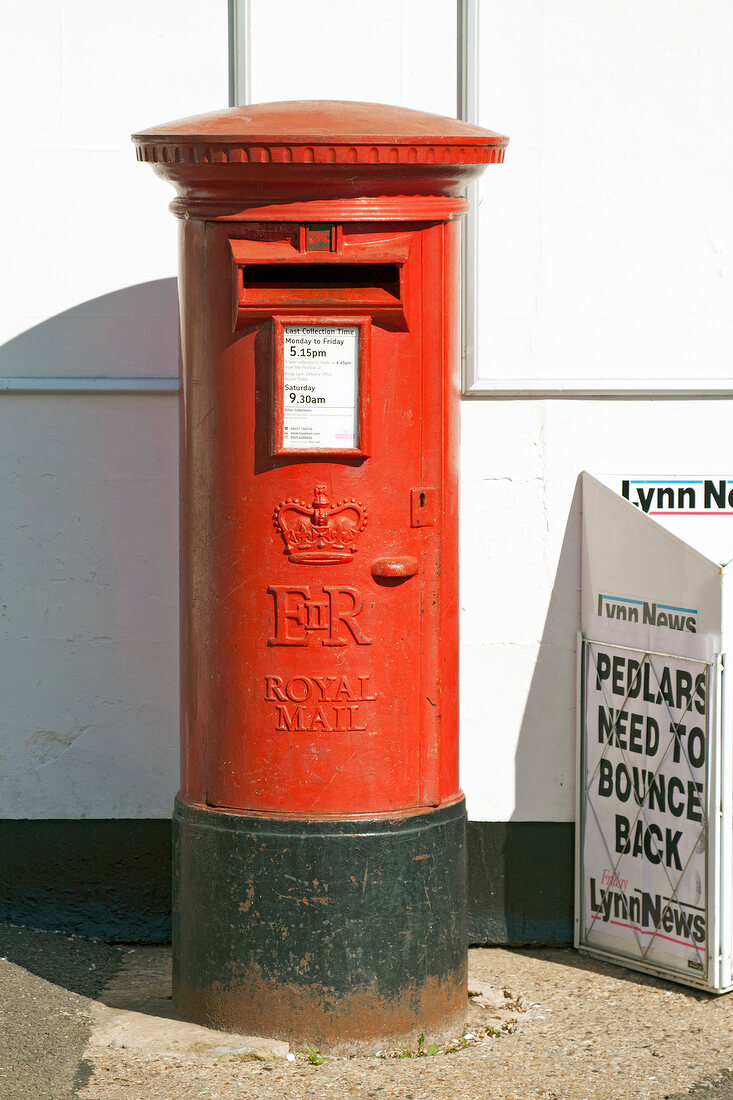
400 568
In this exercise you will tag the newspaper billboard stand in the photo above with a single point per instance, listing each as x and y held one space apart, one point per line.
654 847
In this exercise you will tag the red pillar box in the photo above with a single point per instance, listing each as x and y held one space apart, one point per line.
320 852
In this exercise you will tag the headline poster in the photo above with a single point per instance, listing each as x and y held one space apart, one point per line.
645 772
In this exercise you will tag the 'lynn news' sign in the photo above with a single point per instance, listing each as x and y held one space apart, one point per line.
654 886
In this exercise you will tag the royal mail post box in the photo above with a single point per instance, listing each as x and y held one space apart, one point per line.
319 830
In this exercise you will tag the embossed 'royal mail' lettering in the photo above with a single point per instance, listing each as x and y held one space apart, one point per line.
330 617
301 689
339 718
319 704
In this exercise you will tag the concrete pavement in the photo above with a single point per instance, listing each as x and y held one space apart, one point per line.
82 1019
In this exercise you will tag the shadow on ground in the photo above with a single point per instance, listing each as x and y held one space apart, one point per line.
78 965
46 981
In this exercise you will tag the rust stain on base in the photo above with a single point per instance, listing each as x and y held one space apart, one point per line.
360 1022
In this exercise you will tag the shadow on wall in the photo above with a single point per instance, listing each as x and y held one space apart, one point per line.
128 333
89 617
545 757
521 871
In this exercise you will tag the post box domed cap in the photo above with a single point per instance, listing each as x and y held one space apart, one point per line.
326 131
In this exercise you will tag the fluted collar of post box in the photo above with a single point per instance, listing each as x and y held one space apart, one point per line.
323 132
316 149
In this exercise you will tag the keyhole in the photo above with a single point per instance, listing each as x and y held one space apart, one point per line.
422 500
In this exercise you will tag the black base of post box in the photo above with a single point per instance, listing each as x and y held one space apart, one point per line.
345 935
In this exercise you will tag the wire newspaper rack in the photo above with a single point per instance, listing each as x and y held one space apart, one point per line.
653 874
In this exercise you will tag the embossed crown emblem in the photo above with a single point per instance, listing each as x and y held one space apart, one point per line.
322 533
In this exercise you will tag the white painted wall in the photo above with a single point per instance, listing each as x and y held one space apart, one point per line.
520 529
386 51
88 485
610 225
605 252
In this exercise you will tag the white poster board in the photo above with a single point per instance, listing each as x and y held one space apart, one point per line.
653 876
645 780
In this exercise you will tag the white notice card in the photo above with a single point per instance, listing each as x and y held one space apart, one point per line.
320 387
